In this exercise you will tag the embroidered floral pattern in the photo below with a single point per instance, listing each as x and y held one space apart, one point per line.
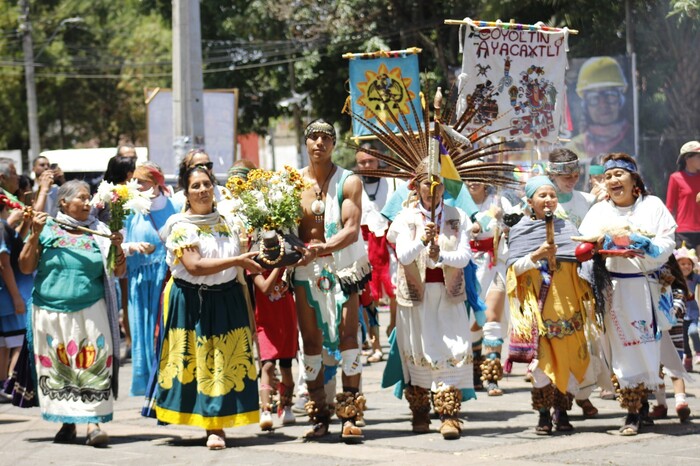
64 240
178 358
77 371
564 327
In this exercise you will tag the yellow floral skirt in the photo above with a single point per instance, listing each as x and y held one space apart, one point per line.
207 375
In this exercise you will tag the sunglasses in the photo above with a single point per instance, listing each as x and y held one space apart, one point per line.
207 165
611 97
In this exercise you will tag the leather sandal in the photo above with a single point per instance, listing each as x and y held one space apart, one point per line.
97 438
66 434
493 389
631 426
544 424
561 421
587 407
318 430
351 433
216 441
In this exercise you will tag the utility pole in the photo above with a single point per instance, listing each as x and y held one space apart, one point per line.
188 94
28 48
296 114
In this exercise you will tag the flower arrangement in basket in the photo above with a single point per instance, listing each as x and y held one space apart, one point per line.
269 203
121 199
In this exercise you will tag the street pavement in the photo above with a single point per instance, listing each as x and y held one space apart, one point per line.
496 430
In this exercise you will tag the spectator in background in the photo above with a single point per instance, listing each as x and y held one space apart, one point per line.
683 196
39 165
9 180
15 291
126 150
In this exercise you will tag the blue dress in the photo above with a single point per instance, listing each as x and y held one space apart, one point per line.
13 326
146 275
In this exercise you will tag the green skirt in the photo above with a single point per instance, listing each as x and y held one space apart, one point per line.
207 375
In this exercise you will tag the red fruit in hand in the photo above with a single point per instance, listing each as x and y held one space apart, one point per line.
584 252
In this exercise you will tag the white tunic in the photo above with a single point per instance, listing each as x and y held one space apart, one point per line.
629 342
433 336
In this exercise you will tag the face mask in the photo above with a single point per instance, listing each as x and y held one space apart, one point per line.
370 179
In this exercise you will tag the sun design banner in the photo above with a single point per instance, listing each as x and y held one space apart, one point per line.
383 83
513 77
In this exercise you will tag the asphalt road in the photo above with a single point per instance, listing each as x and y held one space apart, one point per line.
496 430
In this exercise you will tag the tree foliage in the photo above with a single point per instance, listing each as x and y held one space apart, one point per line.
91 74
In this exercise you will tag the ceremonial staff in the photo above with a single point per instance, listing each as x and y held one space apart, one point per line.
29 212
549 225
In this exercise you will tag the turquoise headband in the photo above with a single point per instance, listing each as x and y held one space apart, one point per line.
535 183
624 164
596 170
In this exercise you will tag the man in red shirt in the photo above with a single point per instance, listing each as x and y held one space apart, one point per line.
683 196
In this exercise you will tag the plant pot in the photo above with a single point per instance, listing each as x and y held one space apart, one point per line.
277 249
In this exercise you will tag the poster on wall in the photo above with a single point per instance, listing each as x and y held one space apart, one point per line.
600 110
512 77
220 128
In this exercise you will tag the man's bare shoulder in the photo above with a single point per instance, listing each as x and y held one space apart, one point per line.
352 185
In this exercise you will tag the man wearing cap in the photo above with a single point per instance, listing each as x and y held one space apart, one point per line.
683 195
601 86
333 270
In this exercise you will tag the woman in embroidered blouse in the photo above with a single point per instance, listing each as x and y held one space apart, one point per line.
146 271
207 374
633 316
432 324
74 329
548 302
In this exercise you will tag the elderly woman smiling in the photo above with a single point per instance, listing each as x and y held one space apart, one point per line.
74 323
632 319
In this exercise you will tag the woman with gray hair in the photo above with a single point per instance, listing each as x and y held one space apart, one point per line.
74 325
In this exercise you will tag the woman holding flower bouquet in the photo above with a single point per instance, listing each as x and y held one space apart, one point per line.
207 374
74 322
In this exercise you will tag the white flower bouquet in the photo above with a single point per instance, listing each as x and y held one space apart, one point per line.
269 203
122 199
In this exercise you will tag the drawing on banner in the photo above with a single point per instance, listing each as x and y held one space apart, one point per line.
385 91
535 99
512 79
383 87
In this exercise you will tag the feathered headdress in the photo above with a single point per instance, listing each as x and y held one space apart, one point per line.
411 148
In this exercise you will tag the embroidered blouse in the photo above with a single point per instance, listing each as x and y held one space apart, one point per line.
69 276
213 241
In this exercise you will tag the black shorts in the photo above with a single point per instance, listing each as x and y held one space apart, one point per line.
691 238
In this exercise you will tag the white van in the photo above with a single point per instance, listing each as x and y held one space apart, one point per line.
88 164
